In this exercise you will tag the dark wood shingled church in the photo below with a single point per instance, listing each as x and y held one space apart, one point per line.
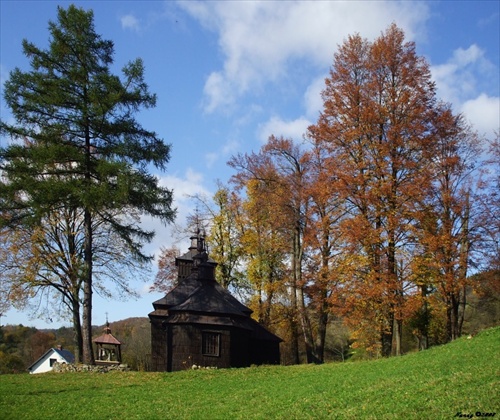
200 323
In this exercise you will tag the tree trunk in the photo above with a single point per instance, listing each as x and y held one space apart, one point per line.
449 329
260 316
88 353
77 330
306 328
299 293
452 319
323 310
394 287
294 330
294 344
461 310
423 322
323 307
319 348
386 335
464 261
423 342
398 334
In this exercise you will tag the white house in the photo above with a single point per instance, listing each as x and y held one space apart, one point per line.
45 363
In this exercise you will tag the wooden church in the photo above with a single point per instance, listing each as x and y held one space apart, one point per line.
199 323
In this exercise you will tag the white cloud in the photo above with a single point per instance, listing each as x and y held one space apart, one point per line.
130 22
260 39
217 93
484 113
168 15
184 187
463 82
313 101
211 158
471 55
294 129
459 78
230 147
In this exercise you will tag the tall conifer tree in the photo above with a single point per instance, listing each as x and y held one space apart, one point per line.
77 144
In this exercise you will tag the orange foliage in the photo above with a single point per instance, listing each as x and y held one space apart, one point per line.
166 277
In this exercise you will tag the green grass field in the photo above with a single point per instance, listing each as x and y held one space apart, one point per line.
456 380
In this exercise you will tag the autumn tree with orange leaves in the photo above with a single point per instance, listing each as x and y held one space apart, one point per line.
325 256
381 126
451 216
279 180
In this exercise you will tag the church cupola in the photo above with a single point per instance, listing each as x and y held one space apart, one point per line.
196 260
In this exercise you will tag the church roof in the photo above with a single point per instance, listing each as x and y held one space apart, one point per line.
193 250
213 298
201 295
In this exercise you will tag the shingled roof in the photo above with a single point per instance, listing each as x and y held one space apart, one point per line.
201 295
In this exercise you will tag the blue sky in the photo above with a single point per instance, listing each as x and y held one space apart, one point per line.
229 74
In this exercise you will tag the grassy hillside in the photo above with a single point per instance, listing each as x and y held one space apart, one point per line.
459 378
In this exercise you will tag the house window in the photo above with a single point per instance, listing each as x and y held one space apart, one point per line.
52 361
211 344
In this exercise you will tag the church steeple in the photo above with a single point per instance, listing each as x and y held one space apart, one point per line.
202 268
107 329
197 257
202 255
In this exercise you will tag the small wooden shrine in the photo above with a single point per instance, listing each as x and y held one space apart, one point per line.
108 348
199 323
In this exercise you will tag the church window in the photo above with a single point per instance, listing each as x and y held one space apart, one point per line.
211 344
